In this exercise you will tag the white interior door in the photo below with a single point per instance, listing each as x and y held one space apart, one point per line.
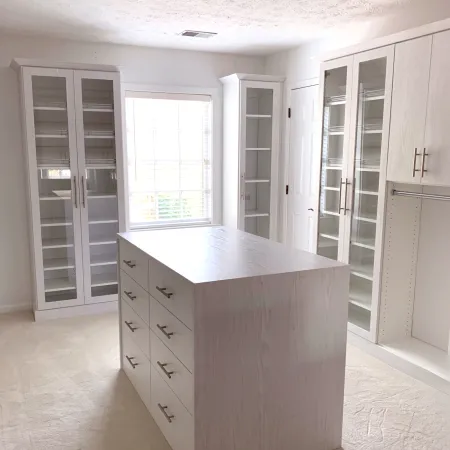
303 182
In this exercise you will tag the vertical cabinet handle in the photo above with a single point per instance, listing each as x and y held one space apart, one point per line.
163 368
130 360
415 162
75 194
83 190
424 155
162 328
347 184
340 195
163 410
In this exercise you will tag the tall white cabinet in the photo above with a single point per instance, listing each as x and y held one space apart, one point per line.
355 95
73 147
251 135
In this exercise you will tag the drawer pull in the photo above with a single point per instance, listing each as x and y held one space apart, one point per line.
128 294
163 410
129 263
128 324
163 331
163 368
163 292
132 364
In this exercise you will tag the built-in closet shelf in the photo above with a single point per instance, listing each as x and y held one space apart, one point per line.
361 298
336 100
256 214
367 243
370 218
103 260
332 213
56 222
368 169
50 108
99 196
362 271
377 131
56 243
330 188
59 284
335 133
102 221
51 136
257 180
99 136
103 279
102 241
63 195
374 193
58 264
373 95
258 149
329 236
96 109
259 116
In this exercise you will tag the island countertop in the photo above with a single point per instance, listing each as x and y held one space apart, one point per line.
209 254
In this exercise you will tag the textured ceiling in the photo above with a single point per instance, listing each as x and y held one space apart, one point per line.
247 26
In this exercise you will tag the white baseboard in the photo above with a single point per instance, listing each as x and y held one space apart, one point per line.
83 310
5 309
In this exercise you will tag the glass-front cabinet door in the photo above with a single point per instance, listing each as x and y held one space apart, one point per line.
97 129
372 79
57 235
336 84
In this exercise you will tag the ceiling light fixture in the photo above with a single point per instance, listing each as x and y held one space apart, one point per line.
198 34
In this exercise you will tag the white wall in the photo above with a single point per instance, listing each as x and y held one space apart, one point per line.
138 65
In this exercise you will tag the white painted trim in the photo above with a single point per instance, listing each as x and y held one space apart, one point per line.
413 33
17 63
217 152
252 77
83 310
6 309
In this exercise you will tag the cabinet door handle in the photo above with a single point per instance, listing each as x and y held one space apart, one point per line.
129 263
163 410
163 368
75 194
424 155
128 294
340 195
415 162
83 191
163 331
128 324
163 292
347 184
130 360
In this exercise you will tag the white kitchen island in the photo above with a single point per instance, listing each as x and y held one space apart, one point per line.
234 342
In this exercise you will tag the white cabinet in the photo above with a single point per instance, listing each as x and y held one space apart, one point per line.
73 147
356 105
252 113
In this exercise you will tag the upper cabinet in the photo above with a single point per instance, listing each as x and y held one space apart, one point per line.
419 140
252 113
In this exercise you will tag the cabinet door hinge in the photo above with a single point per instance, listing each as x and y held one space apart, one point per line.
287 189
289 113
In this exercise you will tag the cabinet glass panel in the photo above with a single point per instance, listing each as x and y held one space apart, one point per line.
55 187
335 104
100 188
258 160
369 134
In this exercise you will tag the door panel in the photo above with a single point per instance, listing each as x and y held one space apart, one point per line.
409 108
436 158
303 183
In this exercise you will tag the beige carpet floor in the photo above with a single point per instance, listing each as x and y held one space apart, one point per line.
60 389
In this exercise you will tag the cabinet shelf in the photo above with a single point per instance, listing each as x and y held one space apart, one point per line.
99 196
58 264
261 149
257 180
259 116
374 193
56 243
103 279
102 241
362 271
256 214
372 218
336 100
59 284
103 260
368 169
50 108
57 195
329 236
331 213
361 298
330 188
102 221
367 243
62 222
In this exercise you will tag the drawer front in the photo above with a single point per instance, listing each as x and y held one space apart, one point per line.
136 296
134 327
173 333
134 263
172 291
170 415
137 368
180 380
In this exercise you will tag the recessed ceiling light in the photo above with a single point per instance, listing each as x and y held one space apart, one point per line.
198 34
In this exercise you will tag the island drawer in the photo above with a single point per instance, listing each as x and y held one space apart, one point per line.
133 326
136 296
172 370
173 333
171 290
170 415
134 263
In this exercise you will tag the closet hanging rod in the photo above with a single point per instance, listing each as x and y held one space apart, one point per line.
420 195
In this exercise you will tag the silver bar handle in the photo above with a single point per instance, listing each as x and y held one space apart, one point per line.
163 331
424 155
128 324
415 162
75 194
83 190
163 410
128 294
130 360
163 368
163 292
347 184
129 263
340 195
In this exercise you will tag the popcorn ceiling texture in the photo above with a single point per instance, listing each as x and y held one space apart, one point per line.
156 22
61 389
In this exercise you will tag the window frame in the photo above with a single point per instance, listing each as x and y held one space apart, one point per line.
216 150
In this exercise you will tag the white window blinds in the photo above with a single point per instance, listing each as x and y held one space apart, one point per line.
169 145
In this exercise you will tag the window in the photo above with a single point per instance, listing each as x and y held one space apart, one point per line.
169 147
